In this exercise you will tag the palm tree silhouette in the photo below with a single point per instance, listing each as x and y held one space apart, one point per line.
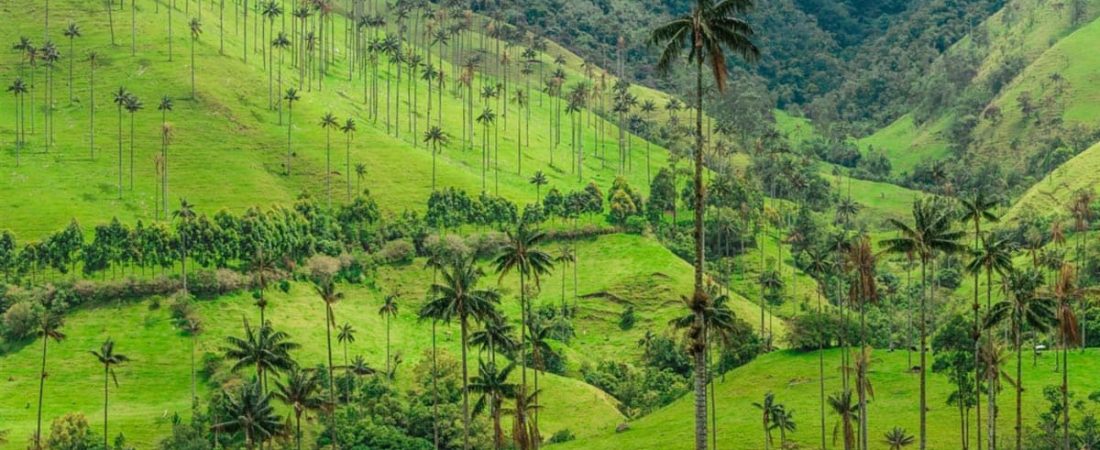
345 335
72 32
192 326
494 387
841 404
348 128
281 42
539 180
250 413
326 289
133 105
299 392
185 214
1024 305
389 310
898 439
261 265
522 255
107 356
486 118
435 138
264 349
290 97
49 327
360 173
165 106
196 30
458 297
19 89
328 123
930 234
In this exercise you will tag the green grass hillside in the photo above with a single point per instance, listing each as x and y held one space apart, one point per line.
613 271
228 130
1054 193
792 377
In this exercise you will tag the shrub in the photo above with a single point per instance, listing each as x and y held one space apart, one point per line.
19 321
562 436
397 252
322 267
487 245
626 318
70 432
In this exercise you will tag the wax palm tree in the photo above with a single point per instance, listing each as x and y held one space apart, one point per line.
458 297
300 393
863 289
539 180
50 56
261 265
348 128
1065 292
290 97
494 388
19 89
1024 306
495 336
107 356
841 404
48 328
249 412
524 433
898 439
111 20
486 119
977 209
522 255
993 360
360 173
389 310
264 349
930 234
72 32
280 42
328 123
345 335
768 410
563 260
541 332
435 138
165 106
121 98
820 264
193 327
326 290
711 28
185 214
719 324
196 30
93 59
133 105
784 422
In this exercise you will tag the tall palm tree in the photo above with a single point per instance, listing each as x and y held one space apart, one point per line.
977 209
768 410
1065 292
389 311
193 326
563 260
19 89
280 42
819 264
290 97
1024 306
72 32
93 59
348 128
49 328
494 388
345 335
121 98
539 180
326 289
50 56
250 413
360 173
930 235
196 30
711 28
133 105
862 290
107 356
185 214
435 138
993 361
328 123
458 296
486 119
299 392
841 404
541 333
522 255
165 106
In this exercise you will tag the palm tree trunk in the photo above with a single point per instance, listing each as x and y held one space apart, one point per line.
106 377
465 392
41 393
699 295
923 355
331 385
1019 380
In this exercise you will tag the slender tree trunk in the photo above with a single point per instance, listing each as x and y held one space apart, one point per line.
923 356
699 348
106 377
1019 380
465 392
41 393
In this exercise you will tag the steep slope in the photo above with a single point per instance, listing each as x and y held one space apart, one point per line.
1053 194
